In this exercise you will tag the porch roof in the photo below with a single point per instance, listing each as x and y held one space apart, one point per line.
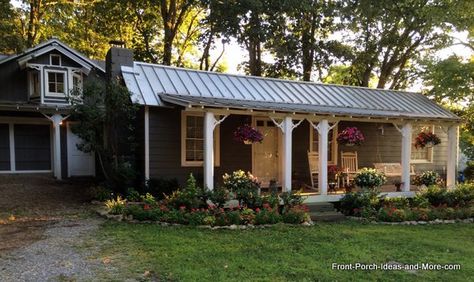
158 85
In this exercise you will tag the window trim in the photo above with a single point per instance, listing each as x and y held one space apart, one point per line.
57 56
46 82
184 162
334 152
81 83
430 152
31 84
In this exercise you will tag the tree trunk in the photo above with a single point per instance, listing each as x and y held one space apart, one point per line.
254 48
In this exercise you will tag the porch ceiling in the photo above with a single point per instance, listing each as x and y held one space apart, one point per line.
156 85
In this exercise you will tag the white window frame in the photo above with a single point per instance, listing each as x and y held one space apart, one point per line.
46 81
217 149
334 144
51 56
430 151
79 76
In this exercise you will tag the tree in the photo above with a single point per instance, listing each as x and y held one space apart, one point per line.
10 41
105 115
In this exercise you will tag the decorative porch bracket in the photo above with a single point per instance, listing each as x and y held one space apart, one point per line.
323 129
406 132
57 119
287 126
210 123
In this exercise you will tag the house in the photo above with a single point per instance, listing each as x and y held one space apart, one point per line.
187 120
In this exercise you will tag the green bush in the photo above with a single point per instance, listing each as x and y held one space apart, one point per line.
435 195
247 216
148 199
245 187
116 206
427 178
219 196
267 216
296 215
100 193
133 195
397 202
225 218
355 203
469 171
391 214
290 200
138 213
369 178
462 195
191 197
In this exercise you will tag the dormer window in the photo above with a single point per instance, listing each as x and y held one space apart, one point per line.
55 83
55 60
34 83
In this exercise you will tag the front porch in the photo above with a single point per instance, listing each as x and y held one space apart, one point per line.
282 156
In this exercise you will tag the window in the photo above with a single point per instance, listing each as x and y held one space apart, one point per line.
55 60
55 83
192 140
34 84
332 143
77 82
421 155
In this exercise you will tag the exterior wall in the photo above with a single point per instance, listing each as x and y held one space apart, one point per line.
4 147
165 147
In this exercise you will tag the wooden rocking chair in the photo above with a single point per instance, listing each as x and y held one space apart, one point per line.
350 165
313 161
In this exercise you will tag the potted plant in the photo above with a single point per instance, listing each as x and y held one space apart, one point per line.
427 178
333 171
398 184
369 178
350 136
426 139
247 134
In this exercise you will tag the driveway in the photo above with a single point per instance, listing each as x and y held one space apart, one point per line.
43 226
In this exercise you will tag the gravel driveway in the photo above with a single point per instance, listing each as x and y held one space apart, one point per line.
43 227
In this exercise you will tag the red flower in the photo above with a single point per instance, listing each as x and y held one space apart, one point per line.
257 210
182 208
146 207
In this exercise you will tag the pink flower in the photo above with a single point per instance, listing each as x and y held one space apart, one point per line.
257 210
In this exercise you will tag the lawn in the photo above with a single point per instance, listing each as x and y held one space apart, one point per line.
284 253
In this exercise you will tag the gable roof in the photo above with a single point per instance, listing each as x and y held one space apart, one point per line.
53 44
157 85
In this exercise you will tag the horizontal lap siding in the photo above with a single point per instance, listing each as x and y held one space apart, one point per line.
165 147
4 147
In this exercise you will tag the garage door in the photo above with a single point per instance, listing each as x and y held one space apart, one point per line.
32 147
4 147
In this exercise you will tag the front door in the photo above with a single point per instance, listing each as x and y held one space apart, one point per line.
79 162
265 155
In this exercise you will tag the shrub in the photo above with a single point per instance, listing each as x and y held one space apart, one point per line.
191 197
291 199
133 195
355 203
462 195
219 196
267 216
296 215
197 217
419 201
434 194
159 187
116 206
391 214
397 202
100 193
148 199
427 178
469 171
224 218
369 178
247 216
244 185
138 213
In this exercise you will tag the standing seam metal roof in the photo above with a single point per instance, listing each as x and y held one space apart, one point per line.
148 81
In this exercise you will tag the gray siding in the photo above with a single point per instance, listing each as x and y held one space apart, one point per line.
165 147
14 83
4 147
32 147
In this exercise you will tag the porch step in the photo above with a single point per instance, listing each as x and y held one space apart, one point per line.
327 216
320 207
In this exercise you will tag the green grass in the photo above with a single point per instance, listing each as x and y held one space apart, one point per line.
284 253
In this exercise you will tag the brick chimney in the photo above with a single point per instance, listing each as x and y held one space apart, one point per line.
116 57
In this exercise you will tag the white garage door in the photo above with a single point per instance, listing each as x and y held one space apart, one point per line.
79 163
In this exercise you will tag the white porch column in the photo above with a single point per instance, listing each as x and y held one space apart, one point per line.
323 130
147 143
287 129
57 120
452 156
406 155
209 121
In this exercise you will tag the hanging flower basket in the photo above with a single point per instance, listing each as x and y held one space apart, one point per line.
426 139
247 135
350 136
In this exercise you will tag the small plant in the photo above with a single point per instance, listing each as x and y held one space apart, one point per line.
100 193
244 185
148 199
296 215
191 197
426 139
116 206
369 178
427 178
247 216
355 203
247 134
219 196
350 136
267 216
133 195
291 199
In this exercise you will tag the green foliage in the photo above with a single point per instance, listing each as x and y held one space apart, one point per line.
116 206
355 203
100 193
427 178
133 195
369 178
219 196
291 199
296 215
396 202
159 187
245 187
191 197
469 171
148 199
267 216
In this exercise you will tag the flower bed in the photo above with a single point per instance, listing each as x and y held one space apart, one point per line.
429 205
237 203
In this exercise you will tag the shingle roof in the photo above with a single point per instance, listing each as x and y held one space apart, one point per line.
156 85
